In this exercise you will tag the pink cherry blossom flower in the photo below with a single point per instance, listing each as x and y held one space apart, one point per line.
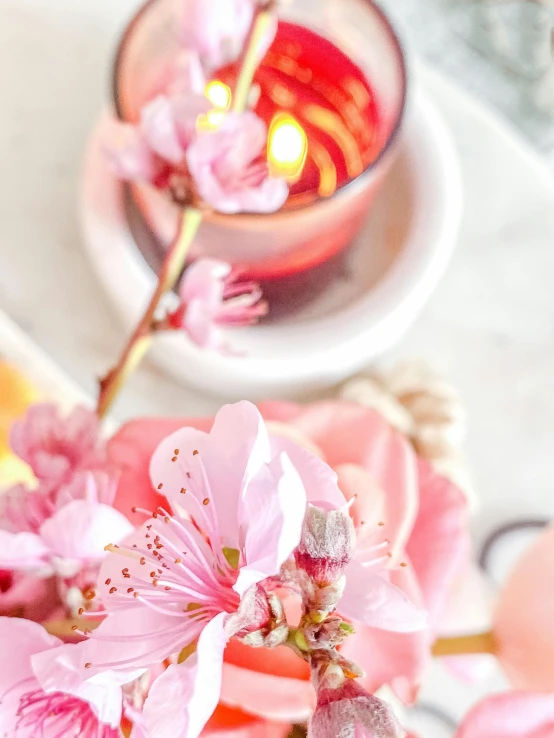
236 512
510 715
57 447
230 170
154 149
348 710
24 510
425 521
71 538
27 711
211 298
28 596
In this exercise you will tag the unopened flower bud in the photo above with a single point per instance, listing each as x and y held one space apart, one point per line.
329 634
327 540
260 619
344 708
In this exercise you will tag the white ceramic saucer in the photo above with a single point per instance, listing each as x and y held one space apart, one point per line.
383 283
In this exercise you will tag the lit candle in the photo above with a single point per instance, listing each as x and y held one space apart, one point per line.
328 122
287 147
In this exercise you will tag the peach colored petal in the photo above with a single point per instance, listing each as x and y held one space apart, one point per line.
351 434
524 620
510 715
267 696
229 723
439 546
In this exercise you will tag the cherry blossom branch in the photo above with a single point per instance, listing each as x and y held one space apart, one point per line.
465 645
261 22
140 340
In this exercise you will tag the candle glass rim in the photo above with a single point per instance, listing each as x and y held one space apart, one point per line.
346 186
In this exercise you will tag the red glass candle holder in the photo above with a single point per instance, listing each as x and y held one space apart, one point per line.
337 68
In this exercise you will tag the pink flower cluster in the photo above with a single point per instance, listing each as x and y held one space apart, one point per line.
212 565
213 297
61 526
224 166
253 540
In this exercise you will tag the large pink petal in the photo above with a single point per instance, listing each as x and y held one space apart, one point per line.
271 512
510 715
204 281
439 546
121 649
158 126
254 729
228 458
131 449
19 640
264 695
371 600
367 499
61 670
389 658
22 551
319 480
81 530
524 618
351 434
184 697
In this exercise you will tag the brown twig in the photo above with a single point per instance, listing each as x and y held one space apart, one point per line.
465 645
140 340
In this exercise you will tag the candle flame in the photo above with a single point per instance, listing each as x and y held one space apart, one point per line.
219 94
287 147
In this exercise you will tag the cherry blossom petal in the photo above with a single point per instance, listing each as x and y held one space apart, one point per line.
22 551
389 658
351 434
131 449
227 176
371 600
215 28
271 511
121 649
184 697
439 546
81 530
129 155
319 480
510 715
265 695
158 125
19 640
204 281
229 457
60 670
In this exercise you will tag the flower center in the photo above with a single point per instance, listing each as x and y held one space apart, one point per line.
59 715
232 556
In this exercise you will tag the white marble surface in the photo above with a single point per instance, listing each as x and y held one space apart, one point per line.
489 327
